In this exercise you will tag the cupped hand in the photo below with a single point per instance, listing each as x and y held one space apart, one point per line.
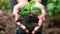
41 17
16 11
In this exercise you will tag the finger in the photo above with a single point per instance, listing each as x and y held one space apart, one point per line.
33 32
27 31
40 16
35 29
43 19
22 27
40 22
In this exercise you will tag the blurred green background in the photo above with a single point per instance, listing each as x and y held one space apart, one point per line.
53 7
4 4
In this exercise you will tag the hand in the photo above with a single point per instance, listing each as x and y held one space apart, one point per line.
41 17
16 10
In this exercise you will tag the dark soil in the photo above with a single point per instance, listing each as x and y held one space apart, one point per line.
29 21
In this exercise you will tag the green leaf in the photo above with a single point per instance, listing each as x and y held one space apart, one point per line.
24 13
32 3
25 10
36 10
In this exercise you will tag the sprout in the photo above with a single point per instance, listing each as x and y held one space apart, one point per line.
29 10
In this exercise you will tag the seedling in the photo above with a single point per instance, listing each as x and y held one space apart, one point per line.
29 10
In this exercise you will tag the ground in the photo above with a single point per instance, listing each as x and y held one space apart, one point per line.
7 25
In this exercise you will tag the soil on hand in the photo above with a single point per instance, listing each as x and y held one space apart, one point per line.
29 21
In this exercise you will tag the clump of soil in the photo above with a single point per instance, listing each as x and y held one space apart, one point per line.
29 21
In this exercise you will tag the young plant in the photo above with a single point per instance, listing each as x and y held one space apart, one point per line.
29 17
28 9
